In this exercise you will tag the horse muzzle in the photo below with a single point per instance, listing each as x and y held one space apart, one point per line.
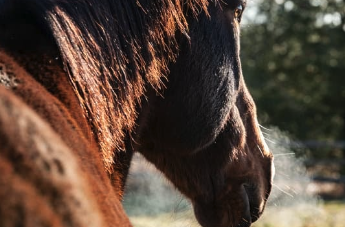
242 206
239 199
232 210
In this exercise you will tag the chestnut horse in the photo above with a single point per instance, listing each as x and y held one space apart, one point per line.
85 83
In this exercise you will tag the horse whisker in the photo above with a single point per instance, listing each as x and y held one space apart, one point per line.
286 154
255 216
265 133
245 220
291 189
282 173
270 140
265 128
256 208
260 151
282 190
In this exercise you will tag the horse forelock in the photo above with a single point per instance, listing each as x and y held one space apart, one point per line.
112 51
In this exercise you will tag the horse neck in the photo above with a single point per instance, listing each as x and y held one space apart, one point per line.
38 55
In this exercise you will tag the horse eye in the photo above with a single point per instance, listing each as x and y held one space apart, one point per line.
238 13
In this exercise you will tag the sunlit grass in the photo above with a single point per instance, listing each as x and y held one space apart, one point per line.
167 220
324 215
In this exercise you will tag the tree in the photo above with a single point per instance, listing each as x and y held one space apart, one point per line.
293 58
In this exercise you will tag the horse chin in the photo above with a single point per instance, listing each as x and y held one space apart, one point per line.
233 210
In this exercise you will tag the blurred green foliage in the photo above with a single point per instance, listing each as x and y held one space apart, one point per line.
293 58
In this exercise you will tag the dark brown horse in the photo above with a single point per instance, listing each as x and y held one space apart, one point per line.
85 83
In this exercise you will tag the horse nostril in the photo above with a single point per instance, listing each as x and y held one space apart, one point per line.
256 202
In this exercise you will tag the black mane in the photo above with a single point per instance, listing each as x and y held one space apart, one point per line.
112 51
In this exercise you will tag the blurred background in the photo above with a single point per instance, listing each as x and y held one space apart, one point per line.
293 59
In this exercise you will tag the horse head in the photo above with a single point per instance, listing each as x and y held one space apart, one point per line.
202 131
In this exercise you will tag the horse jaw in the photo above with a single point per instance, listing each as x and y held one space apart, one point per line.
228 182
233 209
